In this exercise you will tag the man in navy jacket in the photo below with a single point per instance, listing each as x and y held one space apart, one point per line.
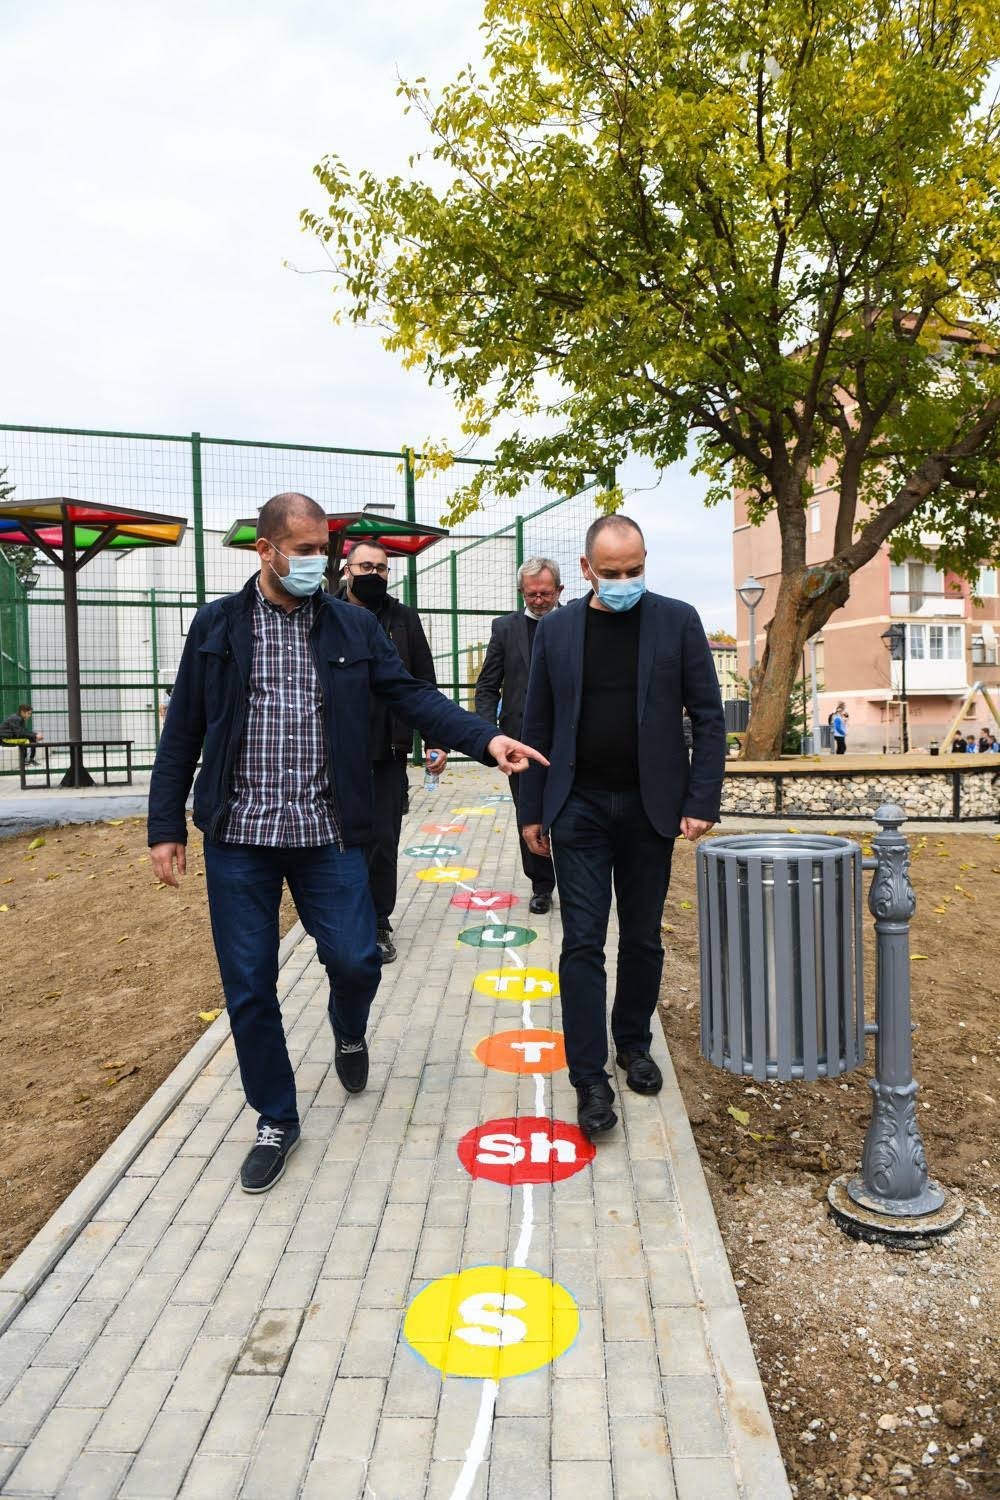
611 677
273 692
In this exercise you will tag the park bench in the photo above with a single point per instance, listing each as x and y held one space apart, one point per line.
76 773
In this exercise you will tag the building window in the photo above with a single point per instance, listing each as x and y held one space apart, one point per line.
935 643
915 578
986 584
955 642
814 520
918 642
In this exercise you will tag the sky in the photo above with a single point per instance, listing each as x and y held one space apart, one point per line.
153 163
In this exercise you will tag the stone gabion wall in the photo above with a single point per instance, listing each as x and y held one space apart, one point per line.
926 796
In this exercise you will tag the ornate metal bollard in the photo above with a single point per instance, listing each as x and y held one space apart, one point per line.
893 1199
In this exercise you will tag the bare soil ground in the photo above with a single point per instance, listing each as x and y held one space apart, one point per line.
104 976
881 1368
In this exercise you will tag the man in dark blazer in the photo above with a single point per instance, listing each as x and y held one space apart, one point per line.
503 682
611 676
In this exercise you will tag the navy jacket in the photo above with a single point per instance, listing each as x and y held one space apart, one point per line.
676 673
354 658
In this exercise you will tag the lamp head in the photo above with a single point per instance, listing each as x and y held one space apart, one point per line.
751 591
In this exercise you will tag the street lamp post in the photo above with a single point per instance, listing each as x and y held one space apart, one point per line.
751 592
815 641
895 639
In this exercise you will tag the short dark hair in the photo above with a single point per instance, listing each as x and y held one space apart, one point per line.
367 541
24 708
602 523
274 516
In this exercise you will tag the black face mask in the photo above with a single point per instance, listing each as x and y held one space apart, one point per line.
370 589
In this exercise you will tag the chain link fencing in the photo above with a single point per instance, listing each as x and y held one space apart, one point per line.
135 607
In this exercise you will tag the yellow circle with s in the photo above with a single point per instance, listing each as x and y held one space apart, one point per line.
491 1322
517 984
446 874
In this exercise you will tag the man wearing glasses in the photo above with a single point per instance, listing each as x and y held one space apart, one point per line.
365 579
503 682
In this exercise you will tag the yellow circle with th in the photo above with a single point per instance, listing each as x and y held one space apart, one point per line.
517 984
491 1322
446 874
475 812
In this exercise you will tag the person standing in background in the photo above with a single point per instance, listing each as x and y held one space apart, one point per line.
503 682
365 578
838 730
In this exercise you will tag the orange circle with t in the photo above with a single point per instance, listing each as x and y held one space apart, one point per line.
527 1051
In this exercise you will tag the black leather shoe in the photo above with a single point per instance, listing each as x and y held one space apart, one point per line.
351 1062
642 1074
265 1163
540 903
593 1108
386 946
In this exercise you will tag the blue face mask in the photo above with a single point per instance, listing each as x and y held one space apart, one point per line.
620 594
304 576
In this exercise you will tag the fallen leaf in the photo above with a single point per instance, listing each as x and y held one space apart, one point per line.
124 939
741 1116
793 830
685 906
916 957
119 1064
36 843
8 881
53 995
114 822
4 907
209 1015
941 910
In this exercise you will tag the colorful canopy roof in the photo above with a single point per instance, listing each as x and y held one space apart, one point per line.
399 538
28 523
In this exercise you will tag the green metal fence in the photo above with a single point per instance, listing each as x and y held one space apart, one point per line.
135 608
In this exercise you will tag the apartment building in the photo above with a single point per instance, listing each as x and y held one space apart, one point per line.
726 669
952 634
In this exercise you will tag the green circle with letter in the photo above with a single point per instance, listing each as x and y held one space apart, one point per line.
497 935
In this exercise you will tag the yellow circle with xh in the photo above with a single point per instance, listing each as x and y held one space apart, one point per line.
446 874
491 1322
517 984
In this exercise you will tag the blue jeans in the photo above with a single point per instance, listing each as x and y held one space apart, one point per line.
599 840
330 889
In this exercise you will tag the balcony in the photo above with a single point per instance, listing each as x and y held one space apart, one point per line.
927 606
947 677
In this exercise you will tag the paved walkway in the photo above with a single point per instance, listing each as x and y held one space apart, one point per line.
445 1298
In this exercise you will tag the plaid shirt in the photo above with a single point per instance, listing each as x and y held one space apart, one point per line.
281 788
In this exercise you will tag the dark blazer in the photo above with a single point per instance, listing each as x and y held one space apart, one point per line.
676 672
354 658
391 735
504 674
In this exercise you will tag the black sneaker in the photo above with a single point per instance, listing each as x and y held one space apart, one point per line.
386 946
265 1163
351 1062
642 1074
593 1108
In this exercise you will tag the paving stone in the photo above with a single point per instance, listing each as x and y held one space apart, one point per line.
175 1248
350 1250
164 1458
203 1375
46 1308
580 1419
240 1415
294 1280
331 1311
236 1306
414 1387
634 1385
670 1281
371 1342
387 1279
269 1342
626 1309
57 1445
95 1476
171 1337
705 1479
8 1458
116 1273
351 1421
519 1459
141 1305
76 1331
30 1401
309 1375
91 1245
680 1341
132 1411
328 1478
204 1277
100 1374
212 1477
591 1477
694 1421
282 1456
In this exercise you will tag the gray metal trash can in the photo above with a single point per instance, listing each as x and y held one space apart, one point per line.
780 937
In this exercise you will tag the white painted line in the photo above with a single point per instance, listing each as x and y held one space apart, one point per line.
527 1225
539 1094
476 1451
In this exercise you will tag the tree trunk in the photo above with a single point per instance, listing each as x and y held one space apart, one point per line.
798 614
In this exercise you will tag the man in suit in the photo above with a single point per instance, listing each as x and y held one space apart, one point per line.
611 677
503 682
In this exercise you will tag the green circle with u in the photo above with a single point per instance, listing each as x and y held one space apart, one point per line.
497 935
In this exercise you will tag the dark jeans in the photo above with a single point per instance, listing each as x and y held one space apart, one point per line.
839 744
600 839
330 891
389 787
537 868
